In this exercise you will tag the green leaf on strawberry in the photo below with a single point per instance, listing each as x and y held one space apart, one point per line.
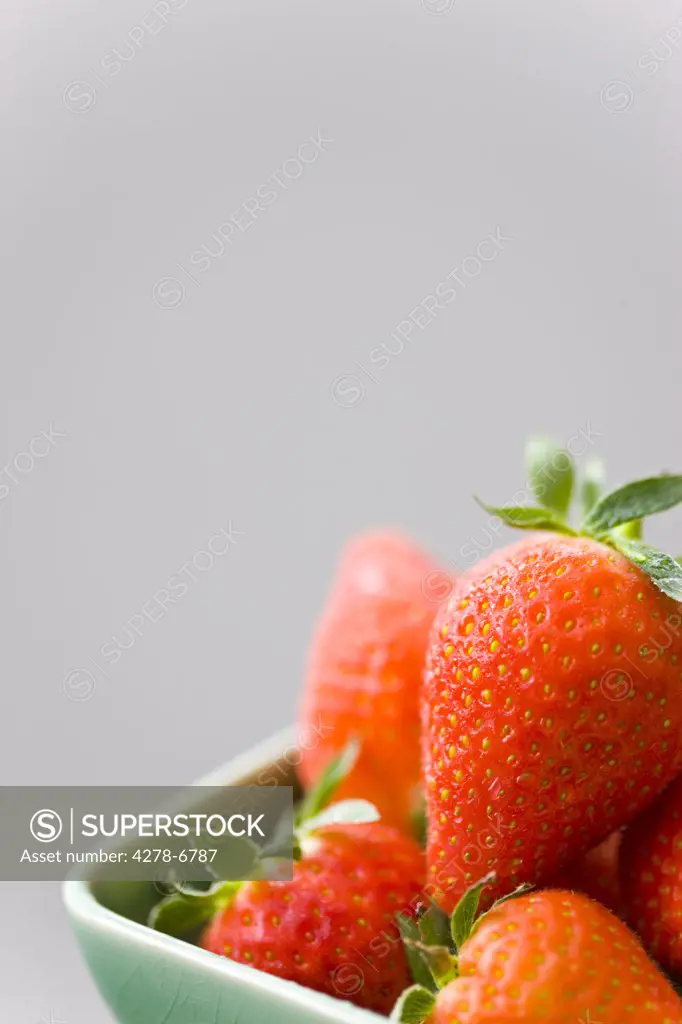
188 908
413 943
592 483
466 912
434 926
551 474
524 517
346 812
437 960
414 1005
665 571
614 519
317 810
635 501
427 943
432 949
321 795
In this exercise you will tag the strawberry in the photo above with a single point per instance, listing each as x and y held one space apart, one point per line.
651 871
551 957
333 927
364 672
552 703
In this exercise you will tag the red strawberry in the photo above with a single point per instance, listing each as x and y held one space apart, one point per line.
597 874
547 722
651 874
364 671
333 928
552 958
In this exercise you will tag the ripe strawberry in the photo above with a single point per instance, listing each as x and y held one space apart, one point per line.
551 716
334 926
651 870
364 672
552 958
597 874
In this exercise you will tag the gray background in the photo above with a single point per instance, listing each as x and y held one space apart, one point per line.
180 420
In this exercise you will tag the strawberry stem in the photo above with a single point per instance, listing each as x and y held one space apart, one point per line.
631 531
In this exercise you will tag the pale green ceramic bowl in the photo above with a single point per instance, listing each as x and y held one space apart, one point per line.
149 978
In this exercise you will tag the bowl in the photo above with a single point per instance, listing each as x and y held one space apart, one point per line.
146 977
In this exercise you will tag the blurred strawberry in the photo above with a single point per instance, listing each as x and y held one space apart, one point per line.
364 671
651 875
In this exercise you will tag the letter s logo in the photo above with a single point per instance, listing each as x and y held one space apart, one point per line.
46 826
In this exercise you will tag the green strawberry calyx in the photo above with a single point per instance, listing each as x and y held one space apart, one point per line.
614 518
317 809
432 946
187 907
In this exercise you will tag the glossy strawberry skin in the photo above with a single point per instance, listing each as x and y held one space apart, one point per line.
651 877
555 958
333 927
552 708
364 673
